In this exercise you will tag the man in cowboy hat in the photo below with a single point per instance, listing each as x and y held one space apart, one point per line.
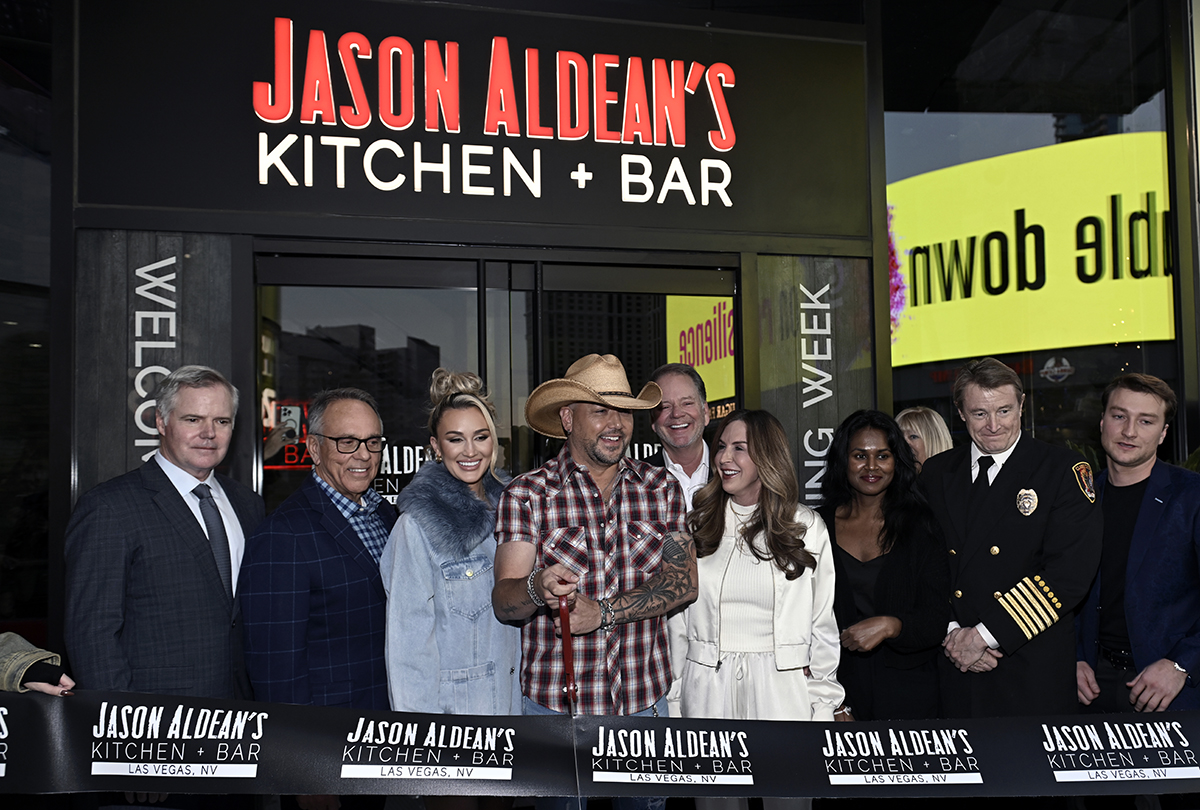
604 530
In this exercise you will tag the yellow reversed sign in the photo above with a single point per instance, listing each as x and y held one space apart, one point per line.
1016 253
700 334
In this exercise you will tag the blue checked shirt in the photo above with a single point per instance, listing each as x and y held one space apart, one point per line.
363 518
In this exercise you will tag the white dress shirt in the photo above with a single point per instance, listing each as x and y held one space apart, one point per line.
690 484
185 482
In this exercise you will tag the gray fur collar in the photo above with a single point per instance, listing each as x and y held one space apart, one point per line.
453 519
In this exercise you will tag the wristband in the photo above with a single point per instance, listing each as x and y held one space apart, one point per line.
1179 668
533 597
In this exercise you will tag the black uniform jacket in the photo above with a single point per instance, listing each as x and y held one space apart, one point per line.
1021 563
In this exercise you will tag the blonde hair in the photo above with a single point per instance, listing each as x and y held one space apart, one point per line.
456 390
929 425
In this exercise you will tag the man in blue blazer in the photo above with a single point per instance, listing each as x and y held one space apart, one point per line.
1139 630
150 599
312 596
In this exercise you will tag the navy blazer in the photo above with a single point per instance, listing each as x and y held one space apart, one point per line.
314 607
1162 581
146 608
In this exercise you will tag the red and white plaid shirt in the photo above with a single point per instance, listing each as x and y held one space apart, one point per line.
559 509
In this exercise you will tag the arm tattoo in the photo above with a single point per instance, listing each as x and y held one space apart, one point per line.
511 602
674 585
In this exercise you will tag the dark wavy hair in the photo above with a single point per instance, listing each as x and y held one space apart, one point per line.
905 509
775 518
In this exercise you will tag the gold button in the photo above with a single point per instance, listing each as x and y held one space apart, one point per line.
995 550
470 573
952 552
997 594
1037 579
1051 596
958 594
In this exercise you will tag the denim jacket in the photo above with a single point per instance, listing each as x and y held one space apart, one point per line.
446 650
16 656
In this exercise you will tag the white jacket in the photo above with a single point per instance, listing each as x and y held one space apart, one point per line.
804 628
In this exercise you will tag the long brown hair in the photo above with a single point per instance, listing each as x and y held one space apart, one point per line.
775 518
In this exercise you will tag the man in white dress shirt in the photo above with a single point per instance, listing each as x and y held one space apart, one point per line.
679 423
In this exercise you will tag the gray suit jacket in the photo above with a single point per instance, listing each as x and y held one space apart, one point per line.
146 610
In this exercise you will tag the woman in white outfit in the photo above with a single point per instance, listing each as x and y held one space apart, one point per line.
760 642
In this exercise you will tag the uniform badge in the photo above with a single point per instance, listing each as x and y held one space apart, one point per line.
1083 477
1026 502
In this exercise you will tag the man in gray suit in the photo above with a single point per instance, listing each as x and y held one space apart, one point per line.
153 557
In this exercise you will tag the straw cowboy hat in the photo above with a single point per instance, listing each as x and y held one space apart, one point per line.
589 379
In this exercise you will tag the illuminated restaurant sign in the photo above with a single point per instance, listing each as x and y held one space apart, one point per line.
400 109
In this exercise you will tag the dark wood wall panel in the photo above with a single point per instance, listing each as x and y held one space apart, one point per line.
107 362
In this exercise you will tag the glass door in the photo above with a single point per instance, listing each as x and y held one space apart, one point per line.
385 324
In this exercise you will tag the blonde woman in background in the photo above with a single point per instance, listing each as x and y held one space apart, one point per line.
446 651
925 431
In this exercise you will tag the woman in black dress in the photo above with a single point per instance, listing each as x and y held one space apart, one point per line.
893 580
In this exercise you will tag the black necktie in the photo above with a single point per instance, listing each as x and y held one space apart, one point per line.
216 535
980 486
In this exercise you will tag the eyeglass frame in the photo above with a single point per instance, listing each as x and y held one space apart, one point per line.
337 440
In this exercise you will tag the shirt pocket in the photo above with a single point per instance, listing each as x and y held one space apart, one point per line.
646 545
468 585
566 546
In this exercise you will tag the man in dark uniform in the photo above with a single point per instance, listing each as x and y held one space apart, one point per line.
1023 533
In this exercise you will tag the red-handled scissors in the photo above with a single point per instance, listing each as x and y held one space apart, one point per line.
571 690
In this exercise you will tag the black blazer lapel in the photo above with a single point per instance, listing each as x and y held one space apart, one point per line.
177 514
956 484
344 535
1154 504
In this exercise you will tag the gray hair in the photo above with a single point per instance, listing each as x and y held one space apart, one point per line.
321 402
189 377
683 370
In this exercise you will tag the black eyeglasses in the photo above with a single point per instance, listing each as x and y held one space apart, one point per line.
349 444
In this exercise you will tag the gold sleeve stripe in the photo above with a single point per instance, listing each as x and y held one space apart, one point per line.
1017 600
1042 598
1030 602
1016 618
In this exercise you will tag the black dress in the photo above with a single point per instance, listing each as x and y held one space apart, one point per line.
897 680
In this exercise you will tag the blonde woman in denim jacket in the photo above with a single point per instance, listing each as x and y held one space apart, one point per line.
446 651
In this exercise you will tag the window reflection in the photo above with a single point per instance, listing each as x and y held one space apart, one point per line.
385 341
